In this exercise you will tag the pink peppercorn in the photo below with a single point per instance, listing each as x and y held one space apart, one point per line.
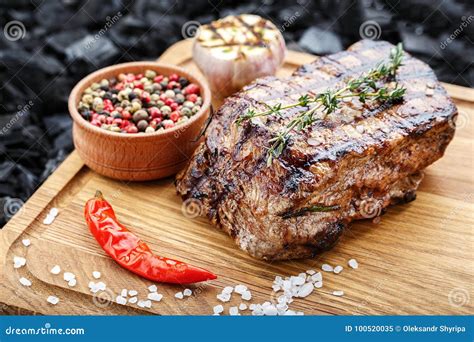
191 89
174 116
192 97
168 124
132 129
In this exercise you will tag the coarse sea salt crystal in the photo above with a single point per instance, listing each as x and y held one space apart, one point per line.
96 287
68 276
26 242
96 274
240 289
311 272
234 311
72 282
54 212
338 293
121 300
353 263
270 310
242 306
228 289
25 282
218 309
247 295
187 292
305 290
133 300
144 303
338 269
318 284
155 296
48 219
152 288
56 270
179 295
298 280
317 277
132 292
53 300
18 262
327 268
124 292
223 297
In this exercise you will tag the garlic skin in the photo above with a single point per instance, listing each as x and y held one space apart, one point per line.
235 50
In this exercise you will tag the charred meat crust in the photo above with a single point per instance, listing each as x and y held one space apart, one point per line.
362 159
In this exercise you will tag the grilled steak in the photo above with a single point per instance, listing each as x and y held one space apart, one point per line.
357 161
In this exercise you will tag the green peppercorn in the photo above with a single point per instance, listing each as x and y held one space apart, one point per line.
160 103
149 129
154 97
83 106
140 115
196 109
142 125
157 87
170 94
180 98
124 103
198 101
150 74
136 105
104 83
98 104
186 111
87 98
166 110
88 90
121 77
115 129
188 104
122 95
95 86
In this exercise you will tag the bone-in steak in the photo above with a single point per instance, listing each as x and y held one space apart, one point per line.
358 160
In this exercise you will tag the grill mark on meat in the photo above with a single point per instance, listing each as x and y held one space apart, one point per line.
359 152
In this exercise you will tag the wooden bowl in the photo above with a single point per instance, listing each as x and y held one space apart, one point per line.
141 156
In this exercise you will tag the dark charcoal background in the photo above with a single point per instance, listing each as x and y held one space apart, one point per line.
38 70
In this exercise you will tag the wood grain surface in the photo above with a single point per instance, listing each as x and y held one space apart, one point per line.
418 259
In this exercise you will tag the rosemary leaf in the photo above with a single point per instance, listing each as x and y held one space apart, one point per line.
313 209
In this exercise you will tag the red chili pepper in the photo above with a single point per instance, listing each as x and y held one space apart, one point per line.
131 252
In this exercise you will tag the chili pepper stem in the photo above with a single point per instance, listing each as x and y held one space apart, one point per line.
98 194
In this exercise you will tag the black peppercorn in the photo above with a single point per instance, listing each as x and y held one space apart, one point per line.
184 82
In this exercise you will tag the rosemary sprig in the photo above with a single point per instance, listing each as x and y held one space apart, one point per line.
365 88
312 209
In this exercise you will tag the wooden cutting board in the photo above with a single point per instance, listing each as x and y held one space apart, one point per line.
418 260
